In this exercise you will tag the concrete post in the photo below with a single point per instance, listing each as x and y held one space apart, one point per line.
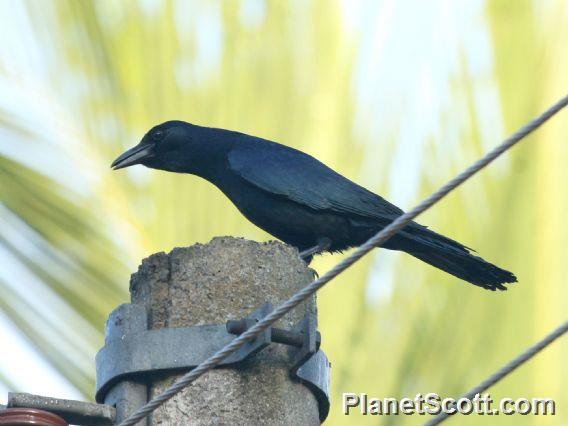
209 284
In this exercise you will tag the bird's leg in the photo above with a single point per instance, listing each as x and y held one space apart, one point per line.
324 243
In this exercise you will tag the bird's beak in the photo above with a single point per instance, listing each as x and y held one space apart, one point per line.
131 157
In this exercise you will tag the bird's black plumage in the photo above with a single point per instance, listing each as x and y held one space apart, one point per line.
298 199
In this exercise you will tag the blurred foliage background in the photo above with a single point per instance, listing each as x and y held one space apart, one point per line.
397 95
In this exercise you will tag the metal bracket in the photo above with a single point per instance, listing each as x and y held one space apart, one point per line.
310 366
314 374
167 349
131 355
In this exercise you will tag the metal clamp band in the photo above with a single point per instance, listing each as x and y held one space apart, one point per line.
133 354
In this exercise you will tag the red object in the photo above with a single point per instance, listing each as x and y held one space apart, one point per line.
29 416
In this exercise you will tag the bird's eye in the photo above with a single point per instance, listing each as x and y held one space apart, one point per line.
158 135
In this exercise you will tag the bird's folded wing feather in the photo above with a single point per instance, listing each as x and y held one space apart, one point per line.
301 178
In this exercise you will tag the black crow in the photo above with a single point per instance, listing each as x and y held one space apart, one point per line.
298 199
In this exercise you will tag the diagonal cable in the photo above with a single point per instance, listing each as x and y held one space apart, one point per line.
505 370
313 287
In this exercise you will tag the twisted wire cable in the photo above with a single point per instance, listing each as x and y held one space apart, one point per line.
505 370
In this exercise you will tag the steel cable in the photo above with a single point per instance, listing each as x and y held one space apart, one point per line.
505 370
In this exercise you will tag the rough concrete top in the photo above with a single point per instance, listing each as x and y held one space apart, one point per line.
211 283
226 278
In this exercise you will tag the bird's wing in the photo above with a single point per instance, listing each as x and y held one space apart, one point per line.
299 177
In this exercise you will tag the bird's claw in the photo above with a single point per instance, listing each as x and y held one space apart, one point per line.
323 245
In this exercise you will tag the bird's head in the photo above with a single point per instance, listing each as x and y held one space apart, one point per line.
174 146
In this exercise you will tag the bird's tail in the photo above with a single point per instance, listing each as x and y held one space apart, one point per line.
452 257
